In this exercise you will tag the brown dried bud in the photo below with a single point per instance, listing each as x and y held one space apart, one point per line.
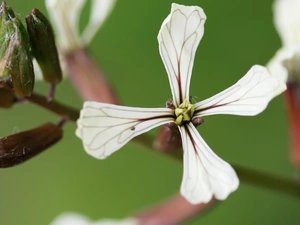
197 121
170 105
18 148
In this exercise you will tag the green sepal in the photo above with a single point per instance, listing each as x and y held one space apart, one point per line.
16 69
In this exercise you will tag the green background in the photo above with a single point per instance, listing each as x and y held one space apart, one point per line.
237 35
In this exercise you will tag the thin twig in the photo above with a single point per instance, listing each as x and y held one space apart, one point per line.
267 180
54 106
250 176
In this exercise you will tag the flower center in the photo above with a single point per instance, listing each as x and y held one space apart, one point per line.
184 112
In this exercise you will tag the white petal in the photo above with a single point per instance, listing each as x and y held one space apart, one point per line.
178 40
204 173
127 221
105 128
76 219
71 219
287 20
65 16
38 74
277 65
99 12
248 97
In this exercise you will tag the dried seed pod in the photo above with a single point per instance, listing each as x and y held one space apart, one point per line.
18 148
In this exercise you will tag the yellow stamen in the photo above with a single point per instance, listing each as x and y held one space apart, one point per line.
184 112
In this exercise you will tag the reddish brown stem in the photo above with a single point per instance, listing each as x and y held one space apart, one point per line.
54 106
173 211
292 96
88 79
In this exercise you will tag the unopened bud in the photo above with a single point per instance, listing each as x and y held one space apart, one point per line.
16 69
168 138
197 121
7 98
17 148
170 105
43 46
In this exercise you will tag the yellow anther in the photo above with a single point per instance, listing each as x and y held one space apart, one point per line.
178 111
184 112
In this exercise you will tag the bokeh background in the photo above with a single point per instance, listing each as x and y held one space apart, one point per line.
237 35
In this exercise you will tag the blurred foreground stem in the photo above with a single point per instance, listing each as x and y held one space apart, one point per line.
175 210
88 79
250 176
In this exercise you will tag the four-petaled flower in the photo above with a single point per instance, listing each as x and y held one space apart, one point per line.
105 128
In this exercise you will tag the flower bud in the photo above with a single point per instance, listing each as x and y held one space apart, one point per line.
16 69
168 138
17 148
43 46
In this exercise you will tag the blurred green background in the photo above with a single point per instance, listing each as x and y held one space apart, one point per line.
237 35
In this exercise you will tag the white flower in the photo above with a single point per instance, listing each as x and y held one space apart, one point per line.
65 15
287 20
105 128
76 219
286 62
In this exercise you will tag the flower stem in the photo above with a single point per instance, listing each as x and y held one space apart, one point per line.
54 106
292 97
269 181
